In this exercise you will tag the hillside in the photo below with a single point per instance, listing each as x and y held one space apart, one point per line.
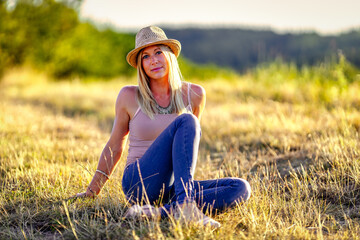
241 49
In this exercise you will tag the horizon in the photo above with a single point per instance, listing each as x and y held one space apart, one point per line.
134 30
325 17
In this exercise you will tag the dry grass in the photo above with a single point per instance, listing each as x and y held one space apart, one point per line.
297 144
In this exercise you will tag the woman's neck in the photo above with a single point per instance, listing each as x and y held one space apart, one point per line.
161 92
160 88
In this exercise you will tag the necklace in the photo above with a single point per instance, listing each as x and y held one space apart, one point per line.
164 110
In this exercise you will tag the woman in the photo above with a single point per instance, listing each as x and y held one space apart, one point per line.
161 118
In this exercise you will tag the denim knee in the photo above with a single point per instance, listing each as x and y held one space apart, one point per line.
243 189
188 119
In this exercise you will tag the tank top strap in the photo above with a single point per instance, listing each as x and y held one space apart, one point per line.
189 98
136 113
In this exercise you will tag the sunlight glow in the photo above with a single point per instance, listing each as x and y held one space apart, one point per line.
324 16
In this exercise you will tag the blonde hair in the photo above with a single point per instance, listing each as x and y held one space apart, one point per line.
145 97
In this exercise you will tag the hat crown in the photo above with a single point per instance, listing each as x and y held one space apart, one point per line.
149 35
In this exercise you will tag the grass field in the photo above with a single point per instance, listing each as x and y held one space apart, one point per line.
293 134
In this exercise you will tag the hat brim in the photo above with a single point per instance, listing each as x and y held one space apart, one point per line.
173 44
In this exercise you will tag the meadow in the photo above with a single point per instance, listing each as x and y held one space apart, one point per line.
293 133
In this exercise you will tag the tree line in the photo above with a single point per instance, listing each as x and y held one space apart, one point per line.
242 49
48 35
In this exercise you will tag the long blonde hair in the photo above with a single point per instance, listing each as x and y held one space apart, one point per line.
145 97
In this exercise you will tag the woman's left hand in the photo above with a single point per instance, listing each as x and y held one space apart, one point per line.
81 195
86 194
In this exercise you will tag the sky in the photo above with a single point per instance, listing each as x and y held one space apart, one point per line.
322 16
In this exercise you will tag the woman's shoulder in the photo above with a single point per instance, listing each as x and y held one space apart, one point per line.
128 90
127 98
127 93
197 89
197 93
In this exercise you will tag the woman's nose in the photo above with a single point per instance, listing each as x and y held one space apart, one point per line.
153 59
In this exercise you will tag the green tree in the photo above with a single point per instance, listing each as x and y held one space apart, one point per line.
38 27
88 51
4 56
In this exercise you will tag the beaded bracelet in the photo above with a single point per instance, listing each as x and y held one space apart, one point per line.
94 193
103 173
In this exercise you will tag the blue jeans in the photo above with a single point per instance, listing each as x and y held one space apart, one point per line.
164 174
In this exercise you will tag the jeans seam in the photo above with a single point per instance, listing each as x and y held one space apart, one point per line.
188 163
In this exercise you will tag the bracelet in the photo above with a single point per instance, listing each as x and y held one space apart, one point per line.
103 173
94 193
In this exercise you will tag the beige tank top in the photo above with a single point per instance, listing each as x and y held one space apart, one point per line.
143 131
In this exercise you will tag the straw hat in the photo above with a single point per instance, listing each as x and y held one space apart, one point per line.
149 36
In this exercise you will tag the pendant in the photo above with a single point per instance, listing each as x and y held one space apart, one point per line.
162 110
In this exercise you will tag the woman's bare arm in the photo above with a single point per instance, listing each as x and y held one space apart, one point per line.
116 143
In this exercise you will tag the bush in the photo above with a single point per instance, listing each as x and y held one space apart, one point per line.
88 51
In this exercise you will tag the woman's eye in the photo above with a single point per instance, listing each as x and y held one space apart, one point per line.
159 52
145 56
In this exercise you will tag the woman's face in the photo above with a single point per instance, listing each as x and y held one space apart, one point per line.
155 63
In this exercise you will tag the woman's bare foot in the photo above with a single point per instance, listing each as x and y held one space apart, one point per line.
137 211
189 212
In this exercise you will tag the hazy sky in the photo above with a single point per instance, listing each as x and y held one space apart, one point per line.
324 16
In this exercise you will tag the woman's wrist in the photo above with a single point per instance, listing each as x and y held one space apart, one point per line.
90 192
97 183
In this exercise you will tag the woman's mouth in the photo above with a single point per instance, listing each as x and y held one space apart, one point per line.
155 69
